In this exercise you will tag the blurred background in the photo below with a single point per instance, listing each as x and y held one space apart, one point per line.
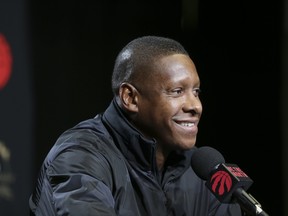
56 59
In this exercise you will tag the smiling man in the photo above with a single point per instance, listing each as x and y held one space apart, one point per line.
134 159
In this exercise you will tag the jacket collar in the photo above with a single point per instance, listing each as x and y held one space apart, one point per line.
135 147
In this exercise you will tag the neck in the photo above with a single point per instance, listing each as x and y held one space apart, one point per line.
161 156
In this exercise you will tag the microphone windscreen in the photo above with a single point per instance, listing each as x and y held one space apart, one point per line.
204 160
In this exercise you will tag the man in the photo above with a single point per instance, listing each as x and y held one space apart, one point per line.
134 159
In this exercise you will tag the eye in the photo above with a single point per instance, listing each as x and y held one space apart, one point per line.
178 91
196 92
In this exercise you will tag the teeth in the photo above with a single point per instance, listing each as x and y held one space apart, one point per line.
186 124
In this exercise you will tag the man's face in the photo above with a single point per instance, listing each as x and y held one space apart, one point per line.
169 108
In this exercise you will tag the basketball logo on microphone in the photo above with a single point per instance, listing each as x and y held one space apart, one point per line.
221 182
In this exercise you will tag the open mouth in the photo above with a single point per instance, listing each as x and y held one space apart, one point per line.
187 126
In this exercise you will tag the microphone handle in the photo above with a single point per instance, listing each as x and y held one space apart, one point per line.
248 203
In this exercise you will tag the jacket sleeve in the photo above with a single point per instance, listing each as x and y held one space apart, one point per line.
78 182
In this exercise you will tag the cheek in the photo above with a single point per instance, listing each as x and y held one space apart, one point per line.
164 114
165 107
159 111
171 107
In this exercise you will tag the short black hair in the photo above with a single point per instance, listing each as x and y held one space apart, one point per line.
139 55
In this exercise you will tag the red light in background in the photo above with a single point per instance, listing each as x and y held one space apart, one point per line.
5 61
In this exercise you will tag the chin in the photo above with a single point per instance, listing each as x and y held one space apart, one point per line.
185 146
188 147
187 143
180 144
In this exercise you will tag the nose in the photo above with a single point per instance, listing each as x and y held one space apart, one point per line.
193 104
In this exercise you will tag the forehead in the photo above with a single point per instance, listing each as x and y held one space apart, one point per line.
176 67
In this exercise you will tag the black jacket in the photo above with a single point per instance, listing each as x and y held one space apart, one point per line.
103 166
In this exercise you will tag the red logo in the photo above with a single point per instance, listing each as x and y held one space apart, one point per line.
222 182
236 171
5 61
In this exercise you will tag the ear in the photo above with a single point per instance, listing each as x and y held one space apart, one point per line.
128 95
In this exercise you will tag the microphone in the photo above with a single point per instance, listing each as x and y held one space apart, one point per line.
225 180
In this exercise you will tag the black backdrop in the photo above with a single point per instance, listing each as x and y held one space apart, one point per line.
235 45
16 109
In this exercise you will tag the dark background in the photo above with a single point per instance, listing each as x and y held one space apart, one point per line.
236 46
